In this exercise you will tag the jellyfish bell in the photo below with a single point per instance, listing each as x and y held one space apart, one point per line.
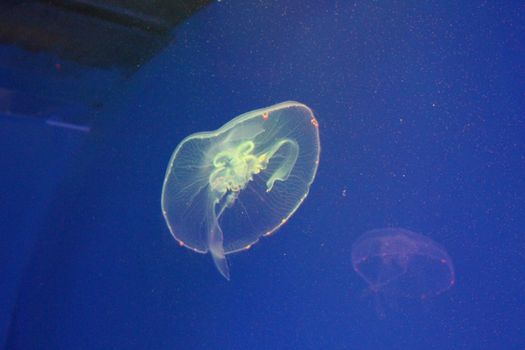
225 189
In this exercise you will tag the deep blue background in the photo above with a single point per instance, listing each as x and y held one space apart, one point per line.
421 110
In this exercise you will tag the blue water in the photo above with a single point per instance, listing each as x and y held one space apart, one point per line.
421 111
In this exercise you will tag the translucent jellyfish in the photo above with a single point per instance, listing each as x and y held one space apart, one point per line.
225 189
400 264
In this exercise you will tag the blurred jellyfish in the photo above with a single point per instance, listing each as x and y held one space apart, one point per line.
398 264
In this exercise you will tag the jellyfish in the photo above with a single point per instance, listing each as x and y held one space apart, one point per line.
225 189
399 264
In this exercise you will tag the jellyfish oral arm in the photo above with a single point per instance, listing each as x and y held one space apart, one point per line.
290 157
215 244
234 168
